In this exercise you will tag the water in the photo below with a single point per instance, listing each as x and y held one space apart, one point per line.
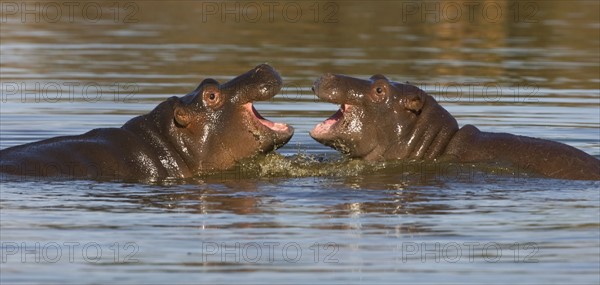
305 214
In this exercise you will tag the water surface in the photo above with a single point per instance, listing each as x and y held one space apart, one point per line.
305 214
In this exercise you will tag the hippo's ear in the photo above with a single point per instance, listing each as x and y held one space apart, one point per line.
413 103
181 114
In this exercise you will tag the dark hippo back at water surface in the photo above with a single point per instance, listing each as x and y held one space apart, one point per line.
304 214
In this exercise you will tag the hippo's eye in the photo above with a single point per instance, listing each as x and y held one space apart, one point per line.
379 90
212 98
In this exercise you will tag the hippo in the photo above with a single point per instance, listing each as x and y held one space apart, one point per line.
207 130
384 120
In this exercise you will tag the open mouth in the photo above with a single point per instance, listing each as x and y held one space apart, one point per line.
326 125
274 126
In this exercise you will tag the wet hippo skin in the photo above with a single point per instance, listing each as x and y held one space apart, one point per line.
206 130
382 120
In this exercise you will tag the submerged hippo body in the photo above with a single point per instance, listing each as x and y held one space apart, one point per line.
206 130
382 120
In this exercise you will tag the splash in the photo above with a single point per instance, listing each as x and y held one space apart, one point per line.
274 165
306 165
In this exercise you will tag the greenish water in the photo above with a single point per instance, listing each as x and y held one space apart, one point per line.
304 214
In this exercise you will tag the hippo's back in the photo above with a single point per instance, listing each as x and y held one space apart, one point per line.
105 154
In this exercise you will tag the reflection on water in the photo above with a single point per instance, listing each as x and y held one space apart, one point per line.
314 216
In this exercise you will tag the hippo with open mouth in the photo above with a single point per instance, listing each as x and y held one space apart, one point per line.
206 130
382 120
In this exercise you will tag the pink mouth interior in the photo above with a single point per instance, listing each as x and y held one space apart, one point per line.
277 127
327 124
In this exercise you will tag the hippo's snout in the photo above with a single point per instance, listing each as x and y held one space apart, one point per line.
258 84
325 87
340 89
268 74
325 80
264 68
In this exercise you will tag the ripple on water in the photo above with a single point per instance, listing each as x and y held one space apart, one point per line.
364 218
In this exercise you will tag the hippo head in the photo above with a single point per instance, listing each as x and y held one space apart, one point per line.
216 124
379 119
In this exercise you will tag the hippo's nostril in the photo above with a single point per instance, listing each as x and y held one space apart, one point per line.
263 67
